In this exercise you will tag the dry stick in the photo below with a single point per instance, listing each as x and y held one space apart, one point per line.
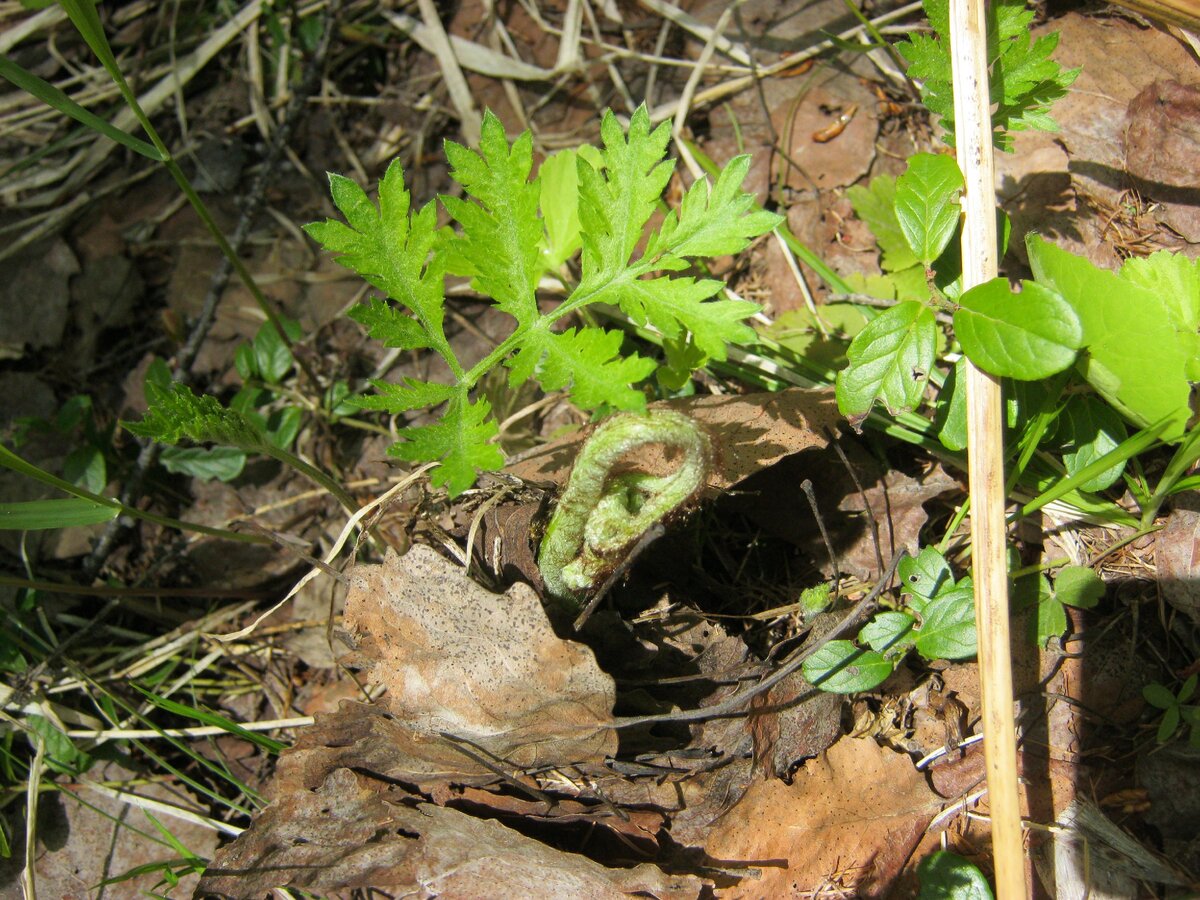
985 449
150 451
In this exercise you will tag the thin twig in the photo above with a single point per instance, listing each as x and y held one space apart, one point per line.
733 704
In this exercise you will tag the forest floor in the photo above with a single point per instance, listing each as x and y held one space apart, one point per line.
332 745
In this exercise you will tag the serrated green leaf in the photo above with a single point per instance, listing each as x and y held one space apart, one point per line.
40 515
947 876
889 632
615 202
1024 83
176 413
840 667
948 624
890 361
501 232
927 207
1079 586
875 204
712 221
459 443
950 417
559 201
1136 359
1088 429
391 249
407 395
389 325
675 305
587 360
221 463
1031 335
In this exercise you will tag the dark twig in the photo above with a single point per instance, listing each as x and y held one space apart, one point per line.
807 486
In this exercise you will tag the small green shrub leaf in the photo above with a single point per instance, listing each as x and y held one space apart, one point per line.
890 361
926 574
559 201
39 515
947 876
842 668
272 358
1078 586
889 632
927 207
1030 335
1137 359
1159 696
950 416
948 624
1089 428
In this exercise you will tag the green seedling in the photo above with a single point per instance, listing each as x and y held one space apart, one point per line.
936 618
1176 710
513 230
1075 586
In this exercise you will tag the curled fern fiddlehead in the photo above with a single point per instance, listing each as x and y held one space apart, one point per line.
600 513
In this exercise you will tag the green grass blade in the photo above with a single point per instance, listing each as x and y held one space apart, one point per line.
10 460
210 718
53 97
38 515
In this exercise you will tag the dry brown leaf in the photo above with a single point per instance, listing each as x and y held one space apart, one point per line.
854 813
748 434
457 659
356 832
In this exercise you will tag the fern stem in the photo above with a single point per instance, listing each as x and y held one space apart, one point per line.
601 514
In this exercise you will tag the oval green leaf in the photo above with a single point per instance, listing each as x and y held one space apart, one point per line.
1030 335
1079 586
948 627
840 667
889 632
1091 428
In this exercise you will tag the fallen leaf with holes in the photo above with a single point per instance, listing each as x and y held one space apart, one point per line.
467 668
850 818
356 832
